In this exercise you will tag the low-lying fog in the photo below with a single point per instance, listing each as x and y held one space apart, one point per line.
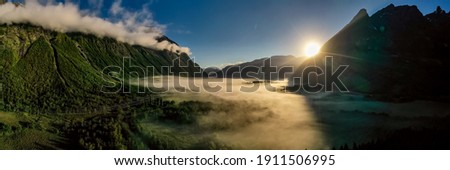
278 120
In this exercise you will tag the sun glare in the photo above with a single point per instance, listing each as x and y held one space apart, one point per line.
312 49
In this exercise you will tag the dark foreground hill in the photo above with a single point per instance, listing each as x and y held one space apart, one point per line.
397 52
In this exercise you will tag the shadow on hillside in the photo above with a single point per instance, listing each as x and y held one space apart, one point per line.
348 122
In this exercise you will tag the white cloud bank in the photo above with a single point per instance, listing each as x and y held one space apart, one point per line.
135 28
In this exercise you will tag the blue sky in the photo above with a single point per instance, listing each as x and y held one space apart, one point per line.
221 32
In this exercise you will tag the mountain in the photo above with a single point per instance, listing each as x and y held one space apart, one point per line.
48 69
396 52
257 68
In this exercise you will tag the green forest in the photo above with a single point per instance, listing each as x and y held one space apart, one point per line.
53 95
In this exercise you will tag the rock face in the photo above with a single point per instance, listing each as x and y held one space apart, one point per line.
41 67
396 52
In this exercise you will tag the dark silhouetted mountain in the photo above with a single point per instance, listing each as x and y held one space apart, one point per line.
260 68
396 52
211 72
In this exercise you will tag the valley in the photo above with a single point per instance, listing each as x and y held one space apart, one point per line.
76 89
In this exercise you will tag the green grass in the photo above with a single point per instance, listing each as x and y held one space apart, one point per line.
9 118
163 137
32 139
26 131
132 128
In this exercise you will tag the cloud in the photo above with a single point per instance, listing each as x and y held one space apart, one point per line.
230 64
135 28
97 6
116 8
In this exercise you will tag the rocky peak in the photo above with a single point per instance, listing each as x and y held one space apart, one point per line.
361 15
439 11
389 7
439 16
404 11
398 18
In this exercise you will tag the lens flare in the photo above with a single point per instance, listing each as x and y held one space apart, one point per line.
312 49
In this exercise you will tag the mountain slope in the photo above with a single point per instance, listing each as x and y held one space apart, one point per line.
395 52
257 68
48 70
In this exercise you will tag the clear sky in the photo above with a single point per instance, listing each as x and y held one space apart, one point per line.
221 32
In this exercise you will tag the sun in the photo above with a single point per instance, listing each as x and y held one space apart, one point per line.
312 49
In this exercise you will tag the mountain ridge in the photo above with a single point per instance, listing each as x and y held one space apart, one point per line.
258 67
385 50
36 62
